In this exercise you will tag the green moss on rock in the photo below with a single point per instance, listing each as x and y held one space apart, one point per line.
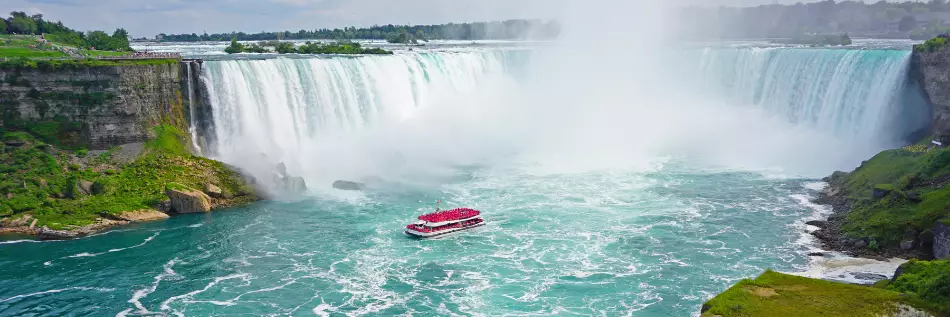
38 183
922 195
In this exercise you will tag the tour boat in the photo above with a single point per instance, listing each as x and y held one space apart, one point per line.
444 222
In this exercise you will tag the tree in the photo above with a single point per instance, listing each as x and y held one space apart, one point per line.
120 40
22 24
3 26
908 23
235 47
99 40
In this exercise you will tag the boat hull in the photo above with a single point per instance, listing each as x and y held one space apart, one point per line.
429 235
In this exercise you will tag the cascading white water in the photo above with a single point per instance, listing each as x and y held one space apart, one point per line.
853 94
192 126
804 102
281 106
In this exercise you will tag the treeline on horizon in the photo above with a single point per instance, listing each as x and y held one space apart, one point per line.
916 20
499 30
21 23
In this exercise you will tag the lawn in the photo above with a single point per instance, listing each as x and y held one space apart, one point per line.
103 53
15 46
16 52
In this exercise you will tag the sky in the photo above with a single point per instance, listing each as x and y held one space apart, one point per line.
145 18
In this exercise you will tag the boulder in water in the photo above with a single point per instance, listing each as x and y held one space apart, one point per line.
295 184
348 185
185 200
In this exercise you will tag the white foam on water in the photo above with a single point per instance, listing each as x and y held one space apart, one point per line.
323 310
840 267
166 305
816 186
26 241
833 265
54 291
87 254
167 273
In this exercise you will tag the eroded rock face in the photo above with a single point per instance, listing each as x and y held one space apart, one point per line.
186 201
941 247
931 72
118 101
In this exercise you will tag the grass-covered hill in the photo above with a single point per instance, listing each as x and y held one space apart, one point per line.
68 189
922 286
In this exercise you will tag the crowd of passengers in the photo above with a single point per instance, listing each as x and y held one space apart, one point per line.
459 213
424 229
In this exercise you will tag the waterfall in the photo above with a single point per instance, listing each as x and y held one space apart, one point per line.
860 95
303 111
192 125
279 106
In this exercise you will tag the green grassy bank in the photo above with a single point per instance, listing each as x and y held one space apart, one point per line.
67 189
897 195
923 285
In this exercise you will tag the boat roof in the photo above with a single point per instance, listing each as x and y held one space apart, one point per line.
449 215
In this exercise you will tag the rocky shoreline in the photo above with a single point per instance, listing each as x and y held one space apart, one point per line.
830 230
182 200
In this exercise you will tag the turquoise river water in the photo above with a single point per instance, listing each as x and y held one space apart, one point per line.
655 238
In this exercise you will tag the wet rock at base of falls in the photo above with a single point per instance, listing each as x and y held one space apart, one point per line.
295 184
185 201
288 183
348 185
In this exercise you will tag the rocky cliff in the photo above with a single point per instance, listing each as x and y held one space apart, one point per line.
198 112
143 164
930 71
92 107
941 234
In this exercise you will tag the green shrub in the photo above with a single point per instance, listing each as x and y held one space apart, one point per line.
103 186
932 45
17 136
23 203
82 152
928 281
